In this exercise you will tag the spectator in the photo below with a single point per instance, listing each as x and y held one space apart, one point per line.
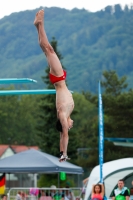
131 192
68 194
43 195
121 192
97 192
4 197
53 190
59 195
18 196
23 195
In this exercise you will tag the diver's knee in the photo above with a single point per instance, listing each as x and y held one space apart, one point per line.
47 48
65 134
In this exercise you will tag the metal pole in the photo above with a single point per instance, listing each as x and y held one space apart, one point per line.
35 180
58 179
9 180
101 133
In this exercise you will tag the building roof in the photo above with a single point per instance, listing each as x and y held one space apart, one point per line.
3 148
16 148
20 148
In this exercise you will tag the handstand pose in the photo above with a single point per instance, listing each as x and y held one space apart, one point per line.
64 99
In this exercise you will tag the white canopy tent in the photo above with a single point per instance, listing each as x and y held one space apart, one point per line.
112 172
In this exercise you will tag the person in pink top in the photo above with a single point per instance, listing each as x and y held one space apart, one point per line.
97 192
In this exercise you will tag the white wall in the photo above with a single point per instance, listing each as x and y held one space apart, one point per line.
8 152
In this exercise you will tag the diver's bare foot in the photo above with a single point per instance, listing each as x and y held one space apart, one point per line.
39 17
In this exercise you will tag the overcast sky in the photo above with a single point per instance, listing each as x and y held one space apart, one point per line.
9 6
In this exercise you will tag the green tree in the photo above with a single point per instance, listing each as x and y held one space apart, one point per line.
118 111
112 84
117 106
18 119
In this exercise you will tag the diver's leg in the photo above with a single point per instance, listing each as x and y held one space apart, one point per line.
64 136
61 142
53 61
63 147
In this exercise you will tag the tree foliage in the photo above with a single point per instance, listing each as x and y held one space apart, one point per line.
90 42
113 86
20 115
118 110
18 120
96 46
117 106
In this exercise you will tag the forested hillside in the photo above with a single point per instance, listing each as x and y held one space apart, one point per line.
90 43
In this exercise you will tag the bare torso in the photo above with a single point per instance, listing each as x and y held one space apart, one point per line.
64 99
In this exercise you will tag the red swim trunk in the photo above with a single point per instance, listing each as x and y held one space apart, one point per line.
55 79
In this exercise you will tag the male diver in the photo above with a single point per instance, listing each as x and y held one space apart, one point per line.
64 99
